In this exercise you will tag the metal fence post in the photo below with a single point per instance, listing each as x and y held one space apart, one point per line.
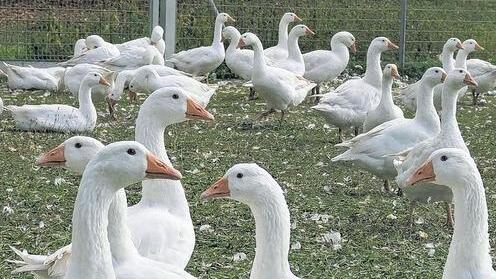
168 16
403 19
154 12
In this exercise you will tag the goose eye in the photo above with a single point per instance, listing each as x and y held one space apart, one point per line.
175 96
461 71
131 151
239 175
77 145
444 158
436 71
95 75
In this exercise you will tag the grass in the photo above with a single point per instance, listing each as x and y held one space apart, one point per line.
323 197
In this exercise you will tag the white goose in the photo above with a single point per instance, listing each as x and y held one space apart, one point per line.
148 80
280 51
294 61
348 104
469 253
239 61
156 40
484 74
326 65
278 87
134 58
409 94
61 118
369 150
255 187
30 78
449 136
101 197
74 76
79 47
386 110
203 60
98 50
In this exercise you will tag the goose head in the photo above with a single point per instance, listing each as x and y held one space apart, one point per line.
247 183
290 17
381 44
73 154
128 162
434 76
80 46
223 18
140 81
170 105
459 78
94 41
345 38
248 39
453 44
93 79
448 166
300 30
230 33
391 71
157 34
471 45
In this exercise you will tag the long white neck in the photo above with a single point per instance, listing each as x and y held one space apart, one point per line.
233 44
461 59
272 237
449 124
469 247
217 33
373 73
447 59
426 112
294 52
259 65
387 97
283 34
86 107
341 50
149 131
122 80
91 257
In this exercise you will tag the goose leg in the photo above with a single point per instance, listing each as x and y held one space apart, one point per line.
387 187
207 78
252 95
282 116
317 92
340 135
132 96
413 204
474 98
449 215
265 114
111 109
356 131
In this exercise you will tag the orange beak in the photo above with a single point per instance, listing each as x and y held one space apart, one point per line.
443 77
309 31
195 111
241 43
54 157
459 46
104 82
229 18
469 80
390 45
218 190
156 169
353 48
478 47
297 19
394 73
424 174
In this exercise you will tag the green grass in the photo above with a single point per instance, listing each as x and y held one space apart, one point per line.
296 153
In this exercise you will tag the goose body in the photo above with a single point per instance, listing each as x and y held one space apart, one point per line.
79 47
203 60
239 61
469 252
134 58
30 78
98 50
326 65
386 110
369 150
350 102
280 51
255 187
156 40
484 74
449 137
61 118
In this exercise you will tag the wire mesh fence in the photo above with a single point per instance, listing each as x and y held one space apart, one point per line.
47 29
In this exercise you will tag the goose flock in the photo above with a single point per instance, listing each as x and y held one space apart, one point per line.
425 155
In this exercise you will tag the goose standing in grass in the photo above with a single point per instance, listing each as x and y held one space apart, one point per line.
203 60
326 65
386 110
255 187
484 74
350 102
469 253
30 78
61 118
280 51
98 50
115 167
409 94
148 80
280 88
449 136
294 62
368 150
